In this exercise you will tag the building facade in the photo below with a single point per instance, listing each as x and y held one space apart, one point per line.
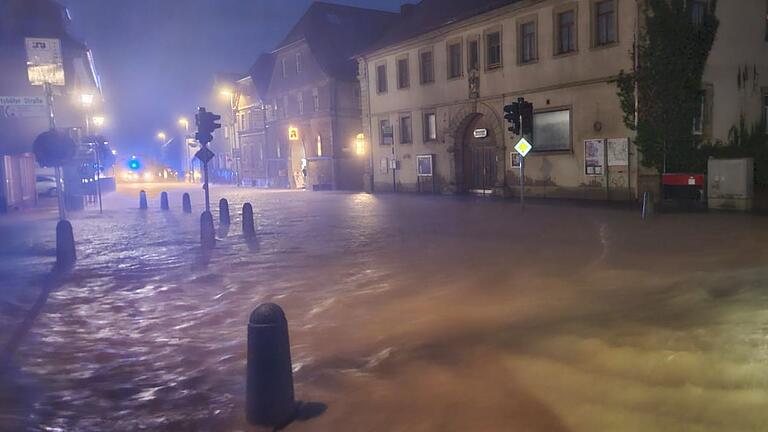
434 87
21 122
309 99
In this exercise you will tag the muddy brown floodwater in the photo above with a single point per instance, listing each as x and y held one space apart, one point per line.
406 313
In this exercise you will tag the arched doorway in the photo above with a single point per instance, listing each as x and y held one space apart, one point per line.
479 155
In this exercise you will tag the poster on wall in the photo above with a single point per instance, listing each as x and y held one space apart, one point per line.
514 159
618 152
594 156
424 165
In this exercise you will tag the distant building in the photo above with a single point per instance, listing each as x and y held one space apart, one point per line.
19 125
307 86
434 86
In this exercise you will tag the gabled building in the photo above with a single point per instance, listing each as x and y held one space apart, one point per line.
308 87
434 87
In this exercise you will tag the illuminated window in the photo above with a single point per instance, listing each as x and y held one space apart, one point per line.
430 127
319 146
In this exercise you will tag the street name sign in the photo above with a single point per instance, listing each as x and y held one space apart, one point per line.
523 147
205 155
22 106
480 133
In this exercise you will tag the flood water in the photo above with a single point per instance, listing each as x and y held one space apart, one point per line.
406 313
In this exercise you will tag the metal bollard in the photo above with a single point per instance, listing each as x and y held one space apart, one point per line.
248 228
143 200
207 234
224 211
269 391
164 201
65 245
186 203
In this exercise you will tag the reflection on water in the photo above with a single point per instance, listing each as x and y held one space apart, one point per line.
406 314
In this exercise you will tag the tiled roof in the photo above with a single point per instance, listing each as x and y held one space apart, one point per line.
336 32
430 15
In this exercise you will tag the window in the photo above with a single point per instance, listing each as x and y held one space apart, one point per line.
406 129
605 23
493 46
566 32
381 78
315 99
298 63
528 42
403 74
552 131
300 102
430 127
385 128
454 60
319 146
427 67
473 55
285 106
282 63
698 10
698 115
277 109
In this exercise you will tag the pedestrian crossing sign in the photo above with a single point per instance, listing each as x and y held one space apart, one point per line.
523 147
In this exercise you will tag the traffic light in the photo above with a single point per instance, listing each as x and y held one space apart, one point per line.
512 115
526 113
206 125
134 164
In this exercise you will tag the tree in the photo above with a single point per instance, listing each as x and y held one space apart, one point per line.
672 52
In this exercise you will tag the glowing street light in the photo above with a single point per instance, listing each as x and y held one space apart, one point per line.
86 99
360 144
97 121
184 123
161 136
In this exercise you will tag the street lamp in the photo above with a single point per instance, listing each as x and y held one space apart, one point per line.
161 136
360 144
86 100
97 121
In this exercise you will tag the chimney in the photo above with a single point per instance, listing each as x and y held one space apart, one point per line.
407 9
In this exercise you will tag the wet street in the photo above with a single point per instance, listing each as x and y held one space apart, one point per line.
406 313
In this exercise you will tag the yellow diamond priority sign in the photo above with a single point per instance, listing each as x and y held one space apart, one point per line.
523 147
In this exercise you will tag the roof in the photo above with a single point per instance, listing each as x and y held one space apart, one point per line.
261 72
335 33
430 15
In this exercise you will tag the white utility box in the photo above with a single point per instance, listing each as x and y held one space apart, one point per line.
730 184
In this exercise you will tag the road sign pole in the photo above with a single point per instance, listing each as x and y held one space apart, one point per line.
522 183
205 186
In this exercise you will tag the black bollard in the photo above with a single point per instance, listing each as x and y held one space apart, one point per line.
164 201
249 231
223 211
186 203
143 200
207 234
65 245
269 397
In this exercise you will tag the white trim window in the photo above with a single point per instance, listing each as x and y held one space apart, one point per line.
430 126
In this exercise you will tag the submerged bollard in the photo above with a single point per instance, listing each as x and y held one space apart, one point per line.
186 203
164 201
143 200
269 392
207 234
248 229
223 211
65 244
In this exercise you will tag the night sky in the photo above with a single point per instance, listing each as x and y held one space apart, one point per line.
157 58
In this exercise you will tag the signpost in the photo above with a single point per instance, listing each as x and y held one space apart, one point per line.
522 147
22 106
520 117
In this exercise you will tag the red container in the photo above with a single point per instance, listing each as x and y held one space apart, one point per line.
682 179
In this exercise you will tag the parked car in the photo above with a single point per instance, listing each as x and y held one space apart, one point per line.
46 185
